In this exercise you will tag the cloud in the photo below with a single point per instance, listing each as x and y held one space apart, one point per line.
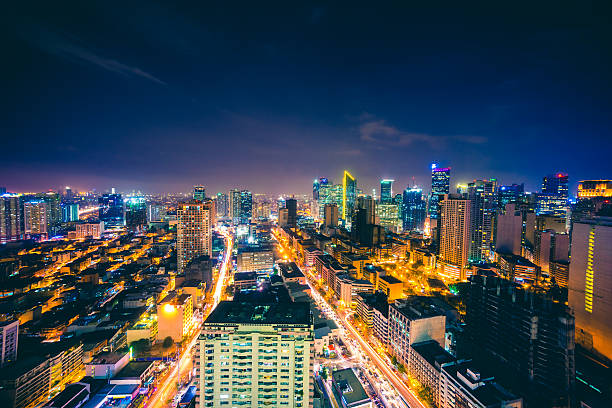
383 135
55 44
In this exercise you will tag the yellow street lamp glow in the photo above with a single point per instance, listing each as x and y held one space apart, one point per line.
168 308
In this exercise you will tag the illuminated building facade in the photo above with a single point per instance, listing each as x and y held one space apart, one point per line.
553 198
10 218
590 283
510 194
482 194
194 231
388 216
330 215
70 212
135 213
222 205
440 185
594 189
174 316
455 235
349 195
199 193
9 336
112 211
241 206
90 230
386 191
413 209
256 354
35 217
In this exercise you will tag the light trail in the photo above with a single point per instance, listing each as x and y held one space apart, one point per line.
223 270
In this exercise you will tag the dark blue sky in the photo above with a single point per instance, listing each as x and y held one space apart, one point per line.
160 96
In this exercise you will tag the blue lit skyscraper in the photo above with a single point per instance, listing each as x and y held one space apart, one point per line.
513 193
386 191
413 209
70 212
135 213
553 198
111 211
440 185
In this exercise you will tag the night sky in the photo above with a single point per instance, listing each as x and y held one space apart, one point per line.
160 96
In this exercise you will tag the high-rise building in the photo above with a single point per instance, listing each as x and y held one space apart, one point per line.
324 195
330 215
35 217
482 194
510 194
349 195
175 316
10 218
194 231
413 209
112 211
241 206
90 230
594 189
156 212
522 333
70 212
455 236
135 213
54 211
291 205
316 187
386 191
553 198
9 336
590 283
388 216
256 354
440 185
515 230
68 194
369 205
222 205
199 193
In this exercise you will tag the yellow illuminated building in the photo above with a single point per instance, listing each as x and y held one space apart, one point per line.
594 188
349 193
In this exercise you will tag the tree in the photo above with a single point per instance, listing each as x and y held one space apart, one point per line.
168 342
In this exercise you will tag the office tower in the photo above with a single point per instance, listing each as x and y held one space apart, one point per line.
194 231
316 187
291 205
413 209
111 211
54 210
256 354
386 191
522 333
35 217
414 320
222 205
234 205
68 194
283 217
369 205
199 193
324 195
515 230
10 218
70 212
455 236
388 216
349 195
594 189
553 198
331 215
9 336
510 194
590 283
482 194
156 212
135 213
440 185
241 206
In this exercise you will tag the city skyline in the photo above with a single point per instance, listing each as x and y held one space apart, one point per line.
291 94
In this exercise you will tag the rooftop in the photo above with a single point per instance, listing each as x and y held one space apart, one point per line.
433 353
260 313
347 382
290 270
390 279
417 307
133 369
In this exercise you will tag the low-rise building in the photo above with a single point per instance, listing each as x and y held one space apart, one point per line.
348 390
390 286
252 259
174 316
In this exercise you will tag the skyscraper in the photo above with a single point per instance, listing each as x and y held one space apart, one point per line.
482 194
10 218
54 211
70 212
455 236
369 205
199 193
194 231
256 354
388 216
440 185
234 205
324 195
291 205
513 193
35 217
386 191
241 206
590 283
524 334
331 215
413 209
349 195
316 187
112 211
222 205
135 213
553 198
